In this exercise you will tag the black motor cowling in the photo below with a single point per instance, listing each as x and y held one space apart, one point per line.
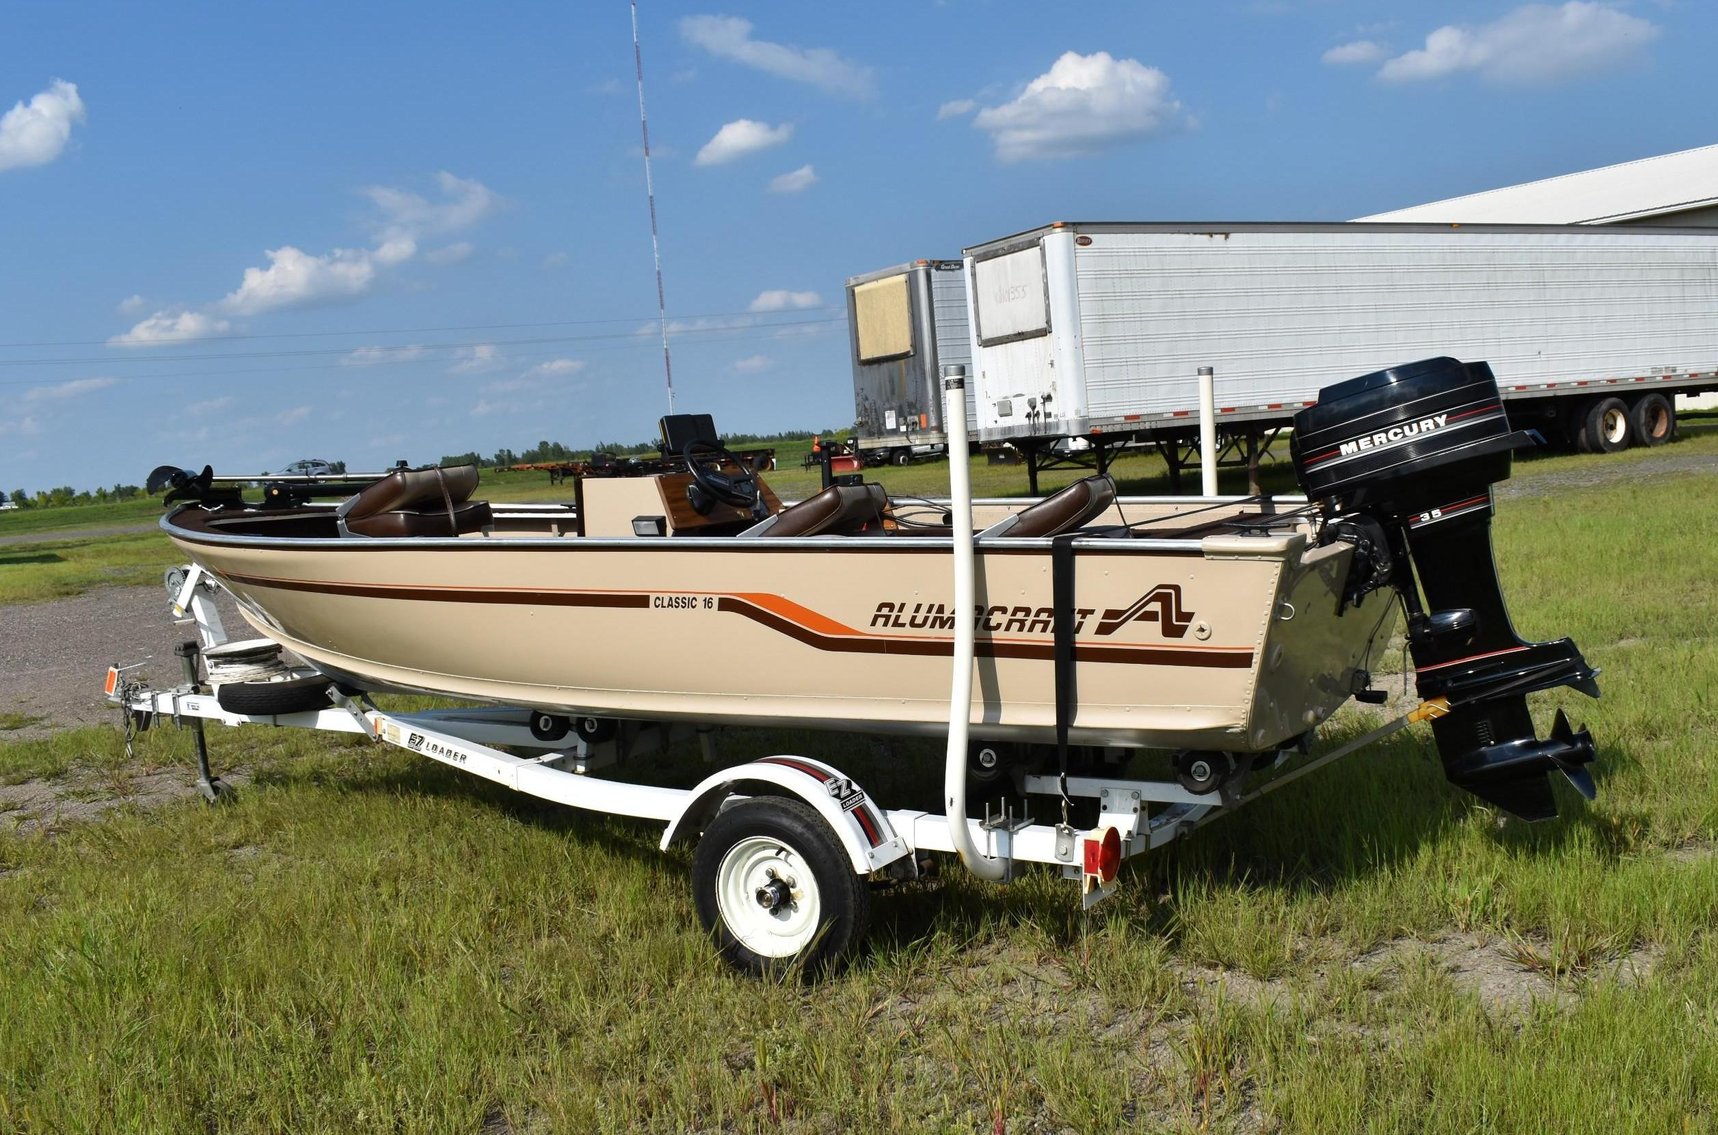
1414 451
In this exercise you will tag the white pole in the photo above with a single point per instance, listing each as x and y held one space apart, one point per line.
1208 431
965 628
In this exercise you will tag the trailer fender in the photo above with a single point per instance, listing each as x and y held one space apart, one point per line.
871 841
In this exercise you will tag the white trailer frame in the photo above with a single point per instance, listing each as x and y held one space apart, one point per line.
877 841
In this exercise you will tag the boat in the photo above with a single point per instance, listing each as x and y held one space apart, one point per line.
1045 640
1212 628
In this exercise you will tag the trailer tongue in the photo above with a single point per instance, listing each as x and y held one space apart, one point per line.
1410 454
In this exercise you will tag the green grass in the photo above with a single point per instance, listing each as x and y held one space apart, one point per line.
368 941
19 521
55 569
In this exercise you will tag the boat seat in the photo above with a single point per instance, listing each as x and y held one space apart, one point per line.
416 502
839 510
1070 508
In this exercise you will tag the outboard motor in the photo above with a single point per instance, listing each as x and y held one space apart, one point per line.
1402 462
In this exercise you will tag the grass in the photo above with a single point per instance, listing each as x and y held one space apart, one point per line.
368 941
56 569
21 521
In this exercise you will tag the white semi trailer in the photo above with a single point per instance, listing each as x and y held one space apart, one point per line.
1098 330
905 323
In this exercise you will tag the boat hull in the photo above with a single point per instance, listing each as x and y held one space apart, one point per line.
1233 642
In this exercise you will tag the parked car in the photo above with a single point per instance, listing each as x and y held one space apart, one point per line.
309 467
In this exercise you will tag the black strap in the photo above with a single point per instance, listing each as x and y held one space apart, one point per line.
1062 627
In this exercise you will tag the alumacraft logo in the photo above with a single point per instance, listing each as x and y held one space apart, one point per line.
1161 605
1394 434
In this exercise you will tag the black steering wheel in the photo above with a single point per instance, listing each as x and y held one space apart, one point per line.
710 484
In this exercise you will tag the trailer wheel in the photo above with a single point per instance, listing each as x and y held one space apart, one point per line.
265 699
1652 419
774 886
901 456
1607 426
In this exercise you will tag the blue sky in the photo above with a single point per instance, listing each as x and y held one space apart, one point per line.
245 234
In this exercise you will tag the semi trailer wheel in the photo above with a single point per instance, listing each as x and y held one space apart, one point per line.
775 888
1607 426
1652 419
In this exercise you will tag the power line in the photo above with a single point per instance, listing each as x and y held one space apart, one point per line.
715 334
308 352
401 330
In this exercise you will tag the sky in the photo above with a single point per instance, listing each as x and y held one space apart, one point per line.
246 234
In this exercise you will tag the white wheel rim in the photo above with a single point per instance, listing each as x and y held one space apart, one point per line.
758 866
1615 425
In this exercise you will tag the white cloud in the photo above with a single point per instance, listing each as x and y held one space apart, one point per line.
293 416
956 108
555 368
1534 44
297 279
797 181
753 364
739 138
1084 104
132 304
35 133
381 356
171 327
72 389
556 260
729 37
212 406
19 427
780 299
1360 51
407 216
477 359
452 254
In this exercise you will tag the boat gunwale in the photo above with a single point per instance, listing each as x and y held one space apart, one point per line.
1000 545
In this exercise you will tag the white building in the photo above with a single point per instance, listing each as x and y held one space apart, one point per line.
1672 189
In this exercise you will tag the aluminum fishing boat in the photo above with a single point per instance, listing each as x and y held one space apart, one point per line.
1046 646
691 593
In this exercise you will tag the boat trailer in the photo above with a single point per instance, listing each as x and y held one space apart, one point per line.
786 843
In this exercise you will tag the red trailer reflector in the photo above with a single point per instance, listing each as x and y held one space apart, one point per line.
1103 855
112 683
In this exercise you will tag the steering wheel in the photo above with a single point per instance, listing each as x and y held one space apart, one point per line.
710 483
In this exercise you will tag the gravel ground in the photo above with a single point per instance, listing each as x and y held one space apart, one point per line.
54 656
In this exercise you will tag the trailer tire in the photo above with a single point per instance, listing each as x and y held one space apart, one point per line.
901 456
1652 419
1607 426
776 890
266 699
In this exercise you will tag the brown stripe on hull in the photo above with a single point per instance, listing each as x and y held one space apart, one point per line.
857 642
1217 658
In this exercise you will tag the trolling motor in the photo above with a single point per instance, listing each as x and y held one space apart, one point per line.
1402 462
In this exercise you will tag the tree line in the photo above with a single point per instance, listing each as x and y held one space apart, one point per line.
552 452
66 495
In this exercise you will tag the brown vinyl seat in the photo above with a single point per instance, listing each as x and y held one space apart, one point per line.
417 502
839 510
1070 508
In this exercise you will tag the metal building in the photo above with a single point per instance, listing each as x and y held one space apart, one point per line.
1671 189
